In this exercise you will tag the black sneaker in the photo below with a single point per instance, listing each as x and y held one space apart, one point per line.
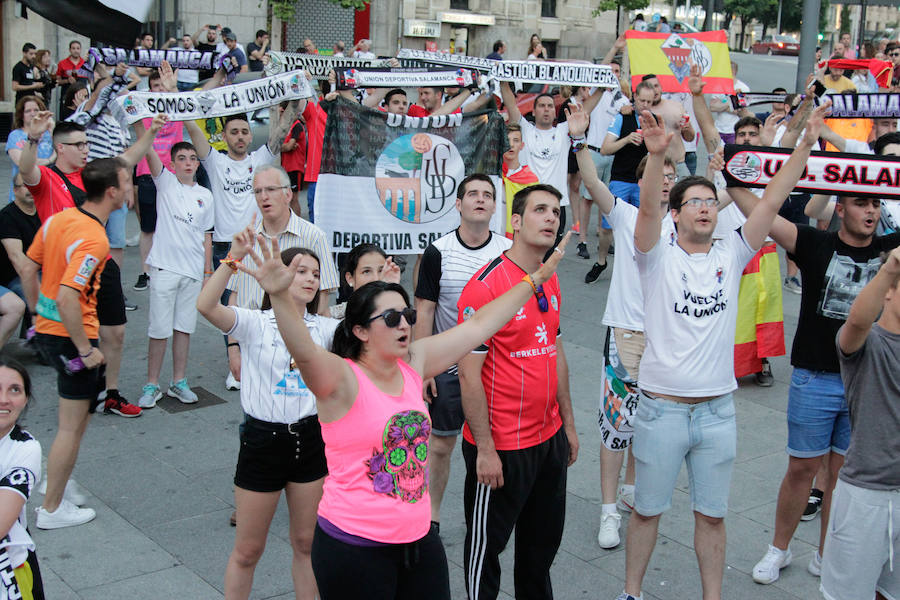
594 274
764 378
582 250
813 506
130 305
142 282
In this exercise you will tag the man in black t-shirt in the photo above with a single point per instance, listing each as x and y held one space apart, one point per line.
835 266
19 223
205 40
23 83
257 49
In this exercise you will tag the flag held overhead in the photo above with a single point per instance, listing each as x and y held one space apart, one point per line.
670 57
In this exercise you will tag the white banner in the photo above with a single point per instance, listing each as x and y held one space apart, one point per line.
445 58
541 71
348 79
217 102
318 66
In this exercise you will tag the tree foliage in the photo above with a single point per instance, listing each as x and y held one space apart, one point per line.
627 5
286 10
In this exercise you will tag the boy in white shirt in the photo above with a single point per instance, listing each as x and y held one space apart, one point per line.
180 260
686 410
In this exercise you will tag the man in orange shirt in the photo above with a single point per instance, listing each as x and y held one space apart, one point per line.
71 250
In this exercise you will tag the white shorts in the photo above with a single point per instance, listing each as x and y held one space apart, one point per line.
173 303
863 526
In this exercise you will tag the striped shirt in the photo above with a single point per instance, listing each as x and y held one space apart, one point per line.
105 135
298 234
447 266
270 389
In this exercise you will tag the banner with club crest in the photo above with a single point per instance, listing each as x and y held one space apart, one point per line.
391 179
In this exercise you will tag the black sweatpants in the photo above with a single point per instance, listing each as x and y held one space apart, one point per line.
533 500
394 572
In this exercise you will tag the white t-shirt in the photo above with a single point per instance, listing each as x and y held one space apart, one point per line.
184 214
547 153
603 115
270 389
625 303
20 470
725 121
232 188
690 314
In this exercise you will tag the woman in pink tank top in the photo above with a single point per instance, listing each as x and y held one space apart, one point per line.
374 538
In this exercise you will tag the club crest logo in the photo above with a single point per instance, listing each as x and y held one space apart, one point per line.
745 166
416 177
129 105
683 53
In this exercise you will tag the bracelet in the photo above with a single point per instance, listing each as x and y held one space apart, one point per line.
578 144
208 272
527 279
88 353
229 261
230 344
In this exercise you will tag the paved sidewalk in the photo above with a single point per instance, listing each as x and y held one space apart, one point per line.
161 484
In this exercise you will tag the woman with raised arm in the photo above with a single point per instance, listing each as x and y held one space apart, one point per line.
281 443
375 514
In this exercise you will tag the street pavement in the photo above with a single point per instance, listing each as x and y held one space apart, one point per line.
162 483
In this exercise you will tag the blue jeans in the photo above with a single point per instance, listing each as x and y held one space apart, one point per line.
115 227
690 159
667 433
817 414
310 200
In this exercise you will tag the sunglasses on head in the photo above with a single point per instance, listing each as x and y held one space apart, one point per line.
392 316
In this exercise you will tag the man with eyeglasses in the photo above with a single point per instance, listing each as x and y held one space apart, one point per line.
519 437
893 52
686 409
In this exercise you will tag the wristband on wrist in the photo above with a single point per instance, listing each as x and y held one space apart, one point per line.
527 279
230 344
89 352
229 261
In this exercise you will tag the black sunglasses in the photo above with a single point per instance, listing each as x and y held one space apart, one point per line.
392 316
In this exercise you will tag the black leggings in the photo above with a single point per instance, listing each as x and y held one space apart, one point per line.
395 572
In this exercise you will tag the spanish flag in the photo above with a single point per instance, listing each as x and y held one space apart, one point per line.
512 183
670 56
760 321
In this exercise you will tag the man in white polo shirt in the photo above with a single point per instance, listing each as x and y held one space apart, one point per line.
686 409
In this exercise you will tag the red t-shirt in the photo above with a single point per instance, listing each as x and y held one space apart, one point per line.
295 160
315 119
519 372
66 67
51 194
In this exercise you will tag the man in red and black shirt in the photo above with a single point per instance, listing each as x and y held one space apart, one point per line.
519 436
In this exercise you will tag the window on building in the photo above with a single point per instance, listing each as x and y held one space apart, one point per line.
550 47
459 4
548 8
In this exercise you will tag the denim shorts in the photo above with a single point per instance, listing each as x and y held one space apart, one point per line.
667 433
817 414
115 227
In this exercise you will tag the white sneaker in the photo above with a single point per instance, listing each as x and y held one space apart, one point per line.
72 492
768 569
815 565
624 596
65 515
609 530
625 500
149 395
231 383
181 391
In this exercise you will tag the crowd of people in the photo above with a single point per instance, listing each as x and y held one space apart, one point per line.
358 399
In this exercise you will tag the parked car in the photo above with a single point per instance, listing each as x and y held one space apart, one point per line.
677 27
530 91
776 44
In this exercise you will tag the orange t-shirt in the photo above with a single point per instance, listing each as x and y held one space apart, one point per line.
72 249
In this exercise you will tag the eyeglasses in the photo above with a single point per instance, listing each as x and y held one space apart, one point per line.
269 190
77 145
894 54
543 305
698 202
392 316
670 177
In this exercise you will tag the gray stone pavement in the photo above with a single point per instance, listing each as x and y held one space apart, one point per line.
161 483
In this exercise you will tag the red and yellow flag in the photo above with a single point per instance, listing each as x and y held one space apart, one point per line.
670 56
760 322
